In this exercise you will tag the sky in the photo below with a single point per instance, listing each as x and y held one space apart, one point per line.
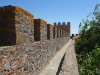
51 11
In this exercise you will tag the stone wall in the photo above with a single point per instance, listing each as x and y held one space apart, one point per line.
49 31
24 25
64 26
29 59
40 29
27 44
16 26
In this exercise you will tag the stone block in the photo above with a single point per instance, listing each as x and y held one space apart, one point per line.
49 31
40 30
54 32
16 26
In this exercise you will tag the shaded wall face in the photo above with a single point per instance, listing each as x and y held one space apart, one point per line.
7 26
50 32
60 33
36 30
55 32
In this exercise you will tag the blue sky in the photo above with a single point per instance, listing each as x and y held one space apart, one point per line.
56 10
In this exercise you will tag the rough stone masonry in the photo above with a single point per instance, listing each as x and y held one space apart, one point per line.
26 44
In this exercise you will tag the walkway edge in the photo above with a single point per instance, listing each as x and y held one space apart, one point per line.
52 68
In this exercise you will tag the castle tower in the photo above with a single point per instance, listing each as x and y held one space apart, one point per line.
59 24
55 24
64 26
68 27
63 23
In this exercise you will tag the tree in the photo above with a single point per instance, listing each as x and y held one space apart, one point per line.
89 30
88 44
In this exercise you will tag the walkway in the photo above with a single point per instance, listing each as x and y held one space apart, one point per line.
69 66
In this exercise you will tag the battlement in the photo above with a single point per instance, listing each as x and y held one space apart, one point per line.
27 44
40 29
16 25
64 26
21 26
59 23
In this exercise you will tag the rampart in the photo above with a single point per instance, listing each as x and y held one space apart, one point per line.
27 44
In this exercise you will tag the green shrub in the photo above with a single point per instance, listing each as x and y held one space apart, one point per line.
89 63
88 45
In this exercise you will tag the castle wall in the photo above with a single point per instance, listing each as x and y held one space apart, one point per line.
31 58
16 26
64 26
30 44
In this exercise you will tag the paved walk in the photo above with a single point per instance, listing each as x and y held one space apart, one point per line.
70 66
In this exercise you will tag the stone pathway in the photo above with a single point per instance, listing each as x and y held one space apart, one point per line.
52 68
69 66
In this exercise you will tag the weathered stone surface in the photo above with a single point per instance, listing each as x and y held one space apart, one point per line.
20 55
49 31
16 26
30 58
7 66
40 30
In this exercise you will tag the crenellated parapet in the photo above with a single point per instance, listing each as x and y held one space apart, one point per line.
40 29
64 26
16 26
27 44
